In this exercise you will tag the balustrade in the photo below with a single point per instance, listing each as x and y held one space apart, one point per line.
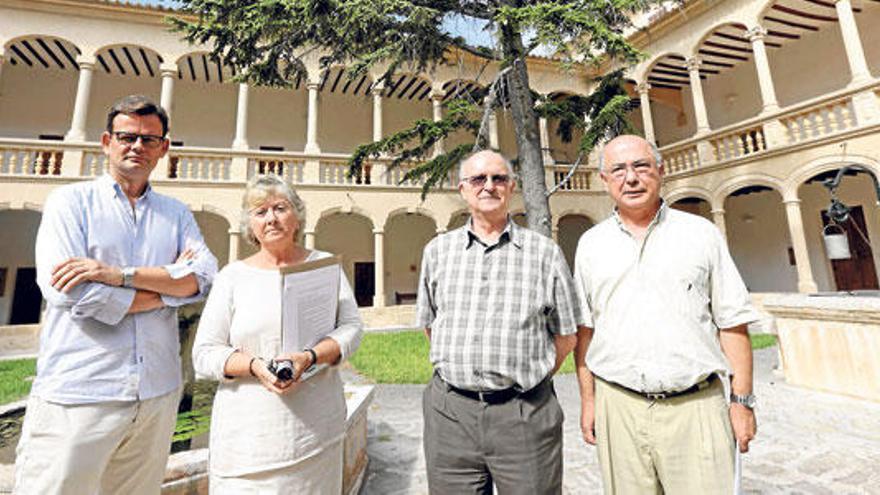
579 180
183 165
681 159
290 169
816 122
30 161
738 143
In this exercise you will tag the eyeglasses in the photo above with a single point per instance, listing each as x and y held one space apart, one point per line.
618 171
278 209
130 138
480 180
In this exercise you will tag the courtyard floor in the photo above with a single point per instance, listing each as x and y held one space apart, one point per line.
808 442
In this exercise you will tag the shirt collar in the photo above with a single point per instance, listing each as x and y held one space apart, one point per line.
658 217
512 232
113 189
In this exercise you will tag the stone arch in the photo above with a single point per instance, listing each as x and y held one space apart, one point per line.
824 164
670 97
46 50
349 233
690 191
569 226
457 219
199 66
40 74
412 210
125 58
345 210
406 233
406 97
732 185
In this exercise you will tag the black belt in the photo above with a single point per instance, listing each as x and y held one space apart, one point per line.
668 395
499 396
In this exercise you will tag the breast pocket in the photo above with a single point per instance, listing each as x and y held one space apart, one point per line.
693 285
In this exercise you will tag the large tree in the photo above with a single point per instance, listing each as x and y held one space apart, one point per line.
268 40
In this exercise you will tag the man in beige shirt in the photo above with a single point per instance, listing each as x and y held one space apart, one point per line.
666 314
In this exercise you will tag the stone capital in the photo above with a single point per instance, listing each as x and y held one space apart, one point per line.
86 62
378 88
168 70
756 33
694 63
437 95
313 85
643 88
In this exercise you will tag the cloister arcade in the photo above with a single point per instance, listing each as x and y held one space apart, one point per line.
753 104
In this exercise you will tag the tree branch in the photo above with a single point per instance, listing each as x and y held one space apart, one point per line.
568 175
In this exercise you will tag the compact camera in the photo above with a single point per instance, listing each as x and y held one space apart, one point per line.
282 369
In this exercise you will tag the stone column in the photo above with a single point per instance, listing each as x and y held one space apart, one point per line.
312 123
234 241
806 283
166 99
437 106
494 142
309 239
718 218
545 141
241 118
377 111
756 36
379 267
855 55
647 118
693 66
77 130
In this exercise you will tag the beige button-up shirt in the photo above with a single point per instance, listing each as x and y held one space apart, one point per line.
656 306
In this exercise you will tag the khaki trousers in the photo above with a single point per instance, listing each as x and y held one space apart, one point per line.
682 445
104 448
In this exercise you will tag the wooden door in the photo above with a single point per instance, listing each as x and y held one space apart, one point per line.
857 272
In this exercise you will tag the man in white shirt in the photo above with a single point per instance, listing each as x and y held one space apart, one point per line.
666 314
114 261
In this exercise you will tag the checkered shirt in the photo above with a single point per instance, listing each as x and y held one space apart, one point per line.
494 309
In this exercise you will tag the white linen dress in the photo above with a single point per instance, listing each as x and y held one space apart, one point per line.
261 442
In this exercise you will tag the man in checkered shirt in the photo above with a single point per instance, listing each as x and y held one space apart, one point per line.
498 303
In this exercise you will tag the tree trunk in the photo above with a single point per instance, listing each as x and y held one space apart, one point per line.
528 140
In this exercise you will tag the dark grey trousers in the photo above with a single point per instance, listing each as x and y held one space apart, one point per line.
470 445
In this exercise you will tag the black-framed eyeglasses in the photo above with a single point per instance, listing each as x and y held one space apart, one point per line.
480 179
130 138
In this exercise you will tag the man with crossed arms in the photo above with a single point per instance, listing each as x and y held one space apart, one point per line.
114 261
666 314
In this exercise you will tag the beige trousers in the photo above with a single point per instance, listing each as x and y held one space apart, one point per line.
104 448
682 445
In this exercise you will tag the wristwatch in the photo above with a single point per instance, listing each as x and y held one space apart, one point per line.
128 276
747 400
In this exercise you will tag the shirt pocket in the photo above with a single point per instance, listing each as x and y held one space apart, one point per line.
693 287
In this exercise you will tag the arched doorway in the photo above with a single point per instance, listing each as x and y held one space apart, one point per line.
350 236
20 298
405 238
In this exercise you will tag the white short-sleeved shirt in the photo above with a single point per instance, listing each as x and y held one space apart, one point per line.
656 306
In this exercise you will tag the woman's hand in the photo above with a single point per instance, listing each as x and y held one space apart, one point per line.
260 369
301 361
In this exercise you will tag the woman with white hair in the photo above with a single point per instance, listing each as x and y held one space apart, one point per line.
270 435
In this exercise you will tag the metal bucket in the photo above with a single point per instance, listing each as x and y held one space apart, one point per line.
836 243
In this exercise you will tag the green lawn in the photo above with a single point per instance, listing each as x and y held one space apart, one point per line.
402 357
15 379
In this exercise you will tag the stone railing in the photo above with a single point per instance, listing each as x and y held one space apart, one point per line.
738 143
680 158
290 168
31 158
199 165
580 180
814 120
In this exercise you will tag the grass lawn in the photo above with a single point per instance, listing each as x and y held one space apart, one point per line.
15 379
402 357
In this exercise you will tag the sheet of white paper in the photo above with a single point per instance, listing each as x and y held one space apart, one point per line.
310 294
